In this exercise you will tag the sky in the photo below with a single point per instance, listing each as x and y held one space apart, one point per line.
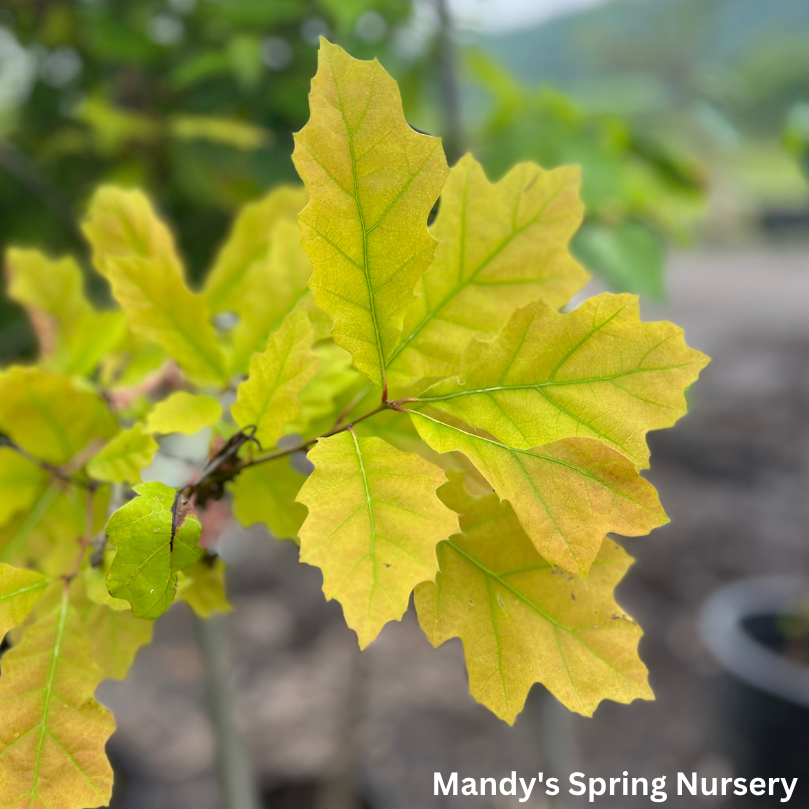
507 15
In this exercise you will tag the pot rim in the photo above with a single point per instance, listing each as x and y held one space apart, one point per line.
742 655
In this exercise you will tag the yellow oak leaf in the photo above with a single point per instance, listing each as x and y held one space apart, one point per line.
19 590
597 371
567 495
374 521
372 181
134 251
49 416
52 731
21 483
73 337
500 246
522 621
183 412
121 460
115 636
268 398
202 587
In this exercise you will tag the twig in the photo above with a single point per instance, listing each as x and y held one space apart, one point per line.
305 445
5 441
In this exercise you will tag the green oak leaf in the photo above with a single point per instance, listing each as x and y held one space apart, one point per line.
372 181
523 621
154 538
374 521
597 371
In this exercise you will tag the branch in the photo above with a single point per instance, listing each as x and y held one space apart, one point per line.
52 469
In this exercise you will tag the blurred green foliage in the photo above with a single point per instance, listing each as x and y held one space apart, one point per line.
796 134
196 100
637 190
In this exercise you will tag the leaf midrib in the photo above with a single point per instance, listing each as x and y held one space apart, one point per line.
57 648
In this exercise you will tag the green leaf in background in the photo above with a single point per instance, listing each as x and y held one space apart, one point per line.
372 181
121 460
374 521
567 495
266 494
500 245
597 371
523 621
154 538
49 416
268 398
134 251
630 256
183 412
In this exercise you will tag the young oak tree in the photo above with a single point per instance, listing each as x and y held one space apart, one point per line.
472 443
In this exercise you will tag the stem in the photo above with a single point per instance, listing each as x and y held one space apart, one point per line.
448 85
236 782
305 445
48 467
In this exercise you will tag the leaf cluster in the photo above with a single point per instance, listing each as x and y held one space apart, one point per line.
472 442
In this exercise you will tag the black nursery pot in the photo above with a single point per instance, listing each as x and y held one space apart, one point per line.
763 694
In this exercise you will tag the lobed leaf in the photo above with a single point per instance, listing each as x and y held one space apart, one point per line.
202 587
268 398
115 637
183 412
121 460
266 494
52 731
374 521
597 371
372 181
49 416
19 592
500 245
567 495
262 273
523 621
72 336
154 540
134 251
46 536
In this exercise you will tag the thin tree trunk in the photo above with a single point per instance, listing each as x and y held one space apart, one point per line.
449 86
236 781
